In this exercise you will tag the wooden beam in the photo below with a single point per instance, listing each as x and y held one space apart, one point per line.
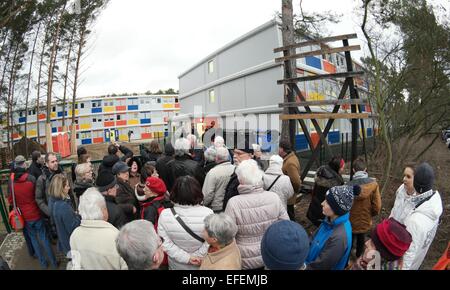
319 52
325 103
321 77
324 116
316 41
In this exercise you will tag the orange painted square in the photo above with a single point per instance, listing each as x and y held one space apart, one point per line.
110 124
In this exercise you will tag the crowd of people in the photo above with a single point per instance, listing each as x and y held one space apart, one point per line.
218 208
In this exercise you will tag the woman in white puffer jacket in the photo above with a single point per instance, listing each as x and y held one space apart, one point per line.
184 250
253 210
419 208
282 185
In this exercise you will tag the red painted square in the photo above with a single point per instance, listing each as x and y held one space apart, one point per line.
121 108
146 135
121 123
98 140
110 124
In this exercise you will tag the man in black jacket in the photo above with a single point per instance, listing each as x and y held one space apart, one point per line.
183 164
162 163
112 157
35 168
107 185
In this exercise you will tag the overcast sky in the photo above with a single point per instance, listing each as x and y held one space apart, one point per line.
141 45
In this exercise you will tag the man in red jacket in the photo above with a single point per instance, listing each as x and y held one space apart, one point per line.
22 187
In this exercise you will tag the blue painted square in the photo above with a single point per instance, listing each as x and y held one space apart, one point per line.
363 108
369 132
22 120
301 143
54 130
145 121
133 107
334 137
97 110
86 141
314 62
166 134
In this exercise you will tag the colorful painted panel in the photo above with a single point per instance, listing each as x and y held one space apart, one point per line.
85 126
168 106
98 140
121 108
133 108
108 109
329 67
42 117
53 115
146 121
133 122
110 124
300 142
22 120
369 132
121 123
96 110
146 135
86 141
54 130
314 62
334 137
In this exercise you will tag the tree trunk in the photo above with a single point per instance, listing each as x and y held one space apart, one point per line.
39 85
48 127
28 89
379 101
10 101
288 127
5 67
73 139
65 82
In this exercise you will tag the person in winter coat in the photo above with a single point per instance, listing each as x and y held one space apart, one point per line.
217 180
84 179
135 171
163 161
253 210
153 199
420 213
50 169
223 253
331 245
153 154
62 213
390 240
183 164
291 168
113 157
365 206
244 151
81 150
185 250
38 241
140 246
94 241
107 186
125 197
326 177
35 168
210 159
276 181
285 246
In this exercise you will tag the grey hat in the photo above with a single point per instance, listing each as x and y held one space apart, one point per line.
120 167
19 160
424 178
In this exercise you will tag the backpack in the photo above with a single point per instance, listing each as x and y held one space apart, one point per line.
231 189
160 204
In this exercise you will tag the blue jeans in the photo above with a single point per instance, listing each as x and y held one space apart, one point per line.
39 237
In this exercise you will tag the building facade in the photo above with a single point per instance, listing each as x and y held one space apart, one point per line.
236 87
104 119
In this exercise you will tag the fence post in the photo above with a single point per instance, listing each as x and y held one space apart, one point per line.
4 212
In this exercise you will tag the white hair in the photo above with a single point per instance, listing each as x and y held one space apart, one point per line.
276 160
137 243
248 173
219 142
256 147
222 154
210 154
182 146
81 170
222 227
192 139
92 204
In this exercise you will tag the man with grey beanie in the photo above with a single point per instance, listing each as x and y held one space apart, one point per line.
420 213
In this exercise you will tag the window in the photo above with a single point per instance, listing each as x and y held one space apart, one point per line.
211 66
212 96
94 105
119 117
34 112
21 114
76 106
82 105
142 101
94 120
159 100
53 109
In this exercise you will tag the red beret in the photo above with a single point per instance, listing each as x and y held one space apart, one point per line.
156 185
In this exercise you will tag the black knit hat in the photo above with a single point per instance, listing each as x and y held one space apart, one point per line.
105 180
340 198
423 178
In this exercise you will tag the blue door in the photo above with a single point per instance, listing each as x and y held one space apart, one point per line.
107 136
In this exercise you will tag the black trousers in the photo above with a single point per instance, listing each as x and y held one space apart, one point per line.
359 241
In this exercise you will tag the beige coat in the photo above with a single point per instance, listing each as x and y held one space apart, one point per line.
93 247
291 168
254 210
228 258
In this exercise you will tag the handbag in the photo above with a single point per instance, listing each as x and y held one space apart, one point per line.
16 219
